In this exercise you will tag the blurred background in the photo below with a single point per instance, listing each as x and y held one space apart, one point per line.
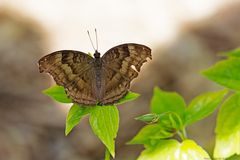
185 37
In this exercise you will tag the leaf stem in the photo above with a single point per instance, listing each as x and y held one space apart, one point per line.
182 134
107 155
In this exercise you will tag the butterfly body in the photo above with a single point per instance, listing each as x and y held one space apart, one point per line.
98 77
96 80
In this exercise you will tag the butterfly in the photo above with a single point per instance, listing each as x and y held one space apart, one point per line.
96 80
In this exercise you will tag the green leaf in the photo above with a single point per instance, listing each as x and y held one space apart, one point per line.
173 150
150 134
74 116
225 73
107 155
164 119
90 54
176 121
203 105
167 102
58 94
149 118
129 97
170 120
167 119
228 128
228 117
104 121
234 157
227 145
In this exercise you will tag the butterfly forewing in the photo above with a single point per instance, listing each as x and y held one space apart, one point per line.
74 71
119 64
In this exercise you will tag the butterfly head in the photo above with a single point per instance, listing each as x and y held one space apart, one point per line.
96 54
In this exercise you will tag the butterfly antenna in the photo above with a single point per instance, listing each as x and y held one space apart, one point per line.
91 40
96 38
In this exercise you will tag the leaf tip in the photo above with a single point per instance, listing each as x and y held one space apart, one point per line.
156 88
67 131
204 72
129 142
45 91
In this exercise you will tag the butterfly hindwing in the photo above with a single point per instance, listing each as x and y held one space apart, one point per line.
74 71
121 65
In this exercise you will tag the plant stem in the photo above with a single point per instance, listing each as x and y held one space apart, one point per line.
107 155
182 134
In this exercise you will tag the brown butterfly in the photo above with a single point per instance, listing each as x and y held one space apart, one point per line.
99 80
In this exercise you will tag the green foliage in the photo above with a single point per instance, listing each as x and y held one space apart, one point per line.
107 155
233 53
129 97
58 94
104 120
173 150
175 121
234 157
228 117
151 134
228 128
167 102
166 119
203 105
149 118
225 73
170 116
74 116
227 145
